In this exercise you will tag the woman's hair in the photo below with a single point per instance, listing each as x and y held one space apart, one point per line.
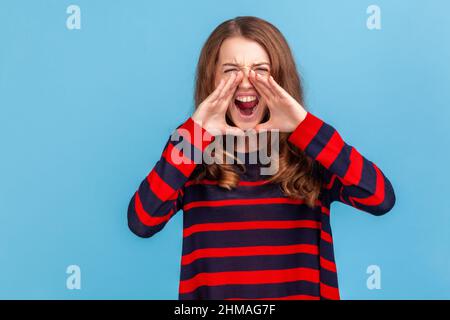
298 175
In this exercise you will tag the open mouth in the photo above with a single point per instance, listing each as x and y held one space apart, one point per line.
246 105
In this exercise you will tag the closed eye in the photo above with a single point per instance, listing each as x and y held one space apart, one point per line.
256 69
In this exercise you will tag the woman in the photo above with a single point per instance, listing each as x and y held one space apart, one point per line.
245 235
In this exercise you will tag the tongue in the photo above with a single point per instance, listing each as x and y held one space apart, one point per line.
246 105
246 108
246 111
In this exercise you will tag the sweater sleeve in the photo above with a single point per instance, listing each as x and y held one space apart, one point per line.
160 194
350 177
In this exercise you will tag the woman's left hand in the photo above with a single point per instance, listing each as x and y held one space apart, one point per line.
285 112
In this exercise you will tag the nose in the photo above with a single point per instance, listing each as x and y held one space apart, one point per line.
245 83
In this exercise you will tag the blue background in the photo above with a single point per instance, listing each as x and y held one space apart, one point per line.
85 114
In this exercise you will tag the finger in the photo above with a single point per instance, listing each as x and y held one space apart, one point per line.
226 99
263 90
239 77
258 81
220 88
265 82
233 86
215 94
227 86
279 90
232 89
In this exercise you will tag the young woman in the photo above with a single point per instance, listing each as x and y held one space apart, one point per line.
245 235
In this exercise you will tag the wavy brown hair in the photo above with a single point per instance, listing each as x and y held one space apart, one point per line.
299 175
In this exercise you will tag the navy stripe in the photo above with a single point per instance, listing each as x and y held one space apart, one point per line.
342 161
198 192
378 209
326 250
152 204
258 237
137 227
250 213
320 140
329 278
326 223
334 191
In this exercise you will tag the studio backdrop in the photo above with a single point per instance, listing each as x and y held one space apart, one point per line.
91 90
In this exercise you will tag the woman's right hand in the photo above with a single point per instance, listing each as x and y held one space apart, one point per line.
210 114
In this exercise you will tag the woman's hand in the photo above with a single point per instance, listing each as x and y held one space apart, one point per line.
285 112
210 114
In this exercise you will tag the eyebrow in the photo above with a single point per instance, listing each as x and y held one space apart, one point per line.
253 65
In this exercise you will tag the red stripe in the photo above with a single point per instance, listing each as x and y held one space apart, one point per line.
203 181
354 171
248 251
329 292
159 187
177 159
238 202
326 236
294 297
327 264
145 217
253 183
325 210
331 150
248 277
251 225
306 131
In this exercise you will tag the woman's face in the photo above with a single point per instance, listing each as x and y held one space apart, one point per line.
247 108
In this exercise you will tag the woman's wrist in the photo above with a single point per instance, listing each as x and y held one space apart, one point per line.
298 117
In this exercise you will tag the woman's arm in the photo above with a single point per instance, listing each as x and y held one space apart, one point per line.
160 194
352 179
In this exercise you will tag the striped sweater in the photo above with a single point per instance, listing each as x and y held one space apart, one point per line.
254 242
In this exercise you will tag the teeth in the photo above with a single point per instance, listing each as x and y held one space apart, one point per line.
246 98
